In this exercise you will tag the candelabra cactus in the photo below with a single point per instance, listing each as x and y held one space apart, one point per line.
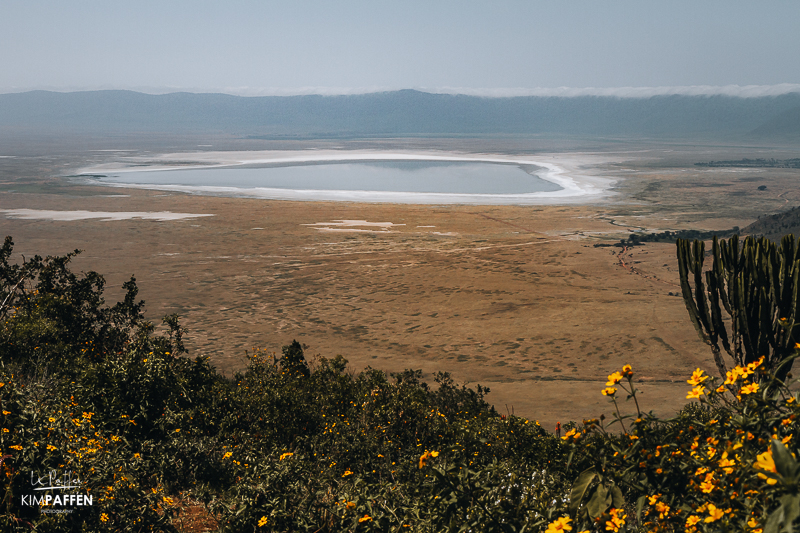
755 284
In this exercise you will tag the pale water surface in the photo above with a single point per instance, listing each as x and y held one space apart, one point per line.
438 177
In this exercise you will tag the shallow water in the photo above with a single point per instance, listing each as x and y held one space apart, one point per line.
438 177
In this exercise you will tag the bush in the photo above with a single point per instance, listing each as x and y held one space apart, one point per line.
95 397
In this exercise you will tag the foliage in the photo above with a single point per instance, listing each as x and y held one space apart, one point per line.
304 444
292 444
725 463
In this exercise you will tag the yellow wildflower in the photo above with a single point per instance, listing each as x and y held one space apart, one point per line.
741 372
616 521
714 514
697 377
365 518
692 521
572 433
696 392
423 460
613 379
709 484
262 522
347 472
561 524
104 517
726 464
609 391
749 389
766 462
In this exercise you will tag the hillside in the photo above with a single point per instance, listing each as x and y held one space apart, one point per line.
398 113
776 226
785 125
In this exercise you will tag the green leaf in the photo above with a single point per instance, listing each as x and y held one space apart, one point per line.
616 497
599 502
579 489
791 510
774 521
785 463
639 506
784 515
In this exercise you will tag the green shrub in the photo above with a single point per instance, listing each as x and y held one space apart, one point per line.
293 444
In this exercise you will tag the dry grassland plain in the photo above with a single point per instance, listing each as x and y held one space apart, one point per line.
516 298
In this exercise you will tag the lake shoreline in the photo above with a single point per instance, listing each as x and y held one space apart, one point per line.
565 171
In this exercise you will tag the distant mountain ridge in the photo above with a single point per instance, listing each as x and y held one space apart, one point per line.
399 113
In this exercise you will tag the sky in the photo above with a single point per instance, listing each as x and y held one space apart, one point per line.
491 47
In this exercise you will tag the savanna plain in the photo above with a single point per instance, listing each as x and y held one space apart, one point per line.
534 302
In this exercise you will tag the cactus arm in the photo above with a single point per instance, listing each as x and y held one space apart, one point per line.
757 284
700 289
714 290
715 281
684 260
691 258
721 257
766 341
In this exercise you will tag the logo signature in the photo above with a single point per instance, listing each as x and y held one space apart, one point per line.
52 481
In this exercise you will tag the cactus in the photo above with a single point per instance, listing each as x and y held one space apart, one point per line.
746 303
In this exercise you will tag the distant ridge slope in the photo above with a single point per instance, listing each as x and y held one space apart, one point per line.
786 125
405 112
775 226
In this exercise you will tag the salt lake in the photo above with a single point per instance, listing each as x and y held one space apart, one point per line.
407 181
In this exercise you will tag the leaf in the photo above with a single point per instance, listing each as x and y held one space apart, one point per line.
785 463
616 497
639 506
791 510
785 514
579 489
775 519
599 502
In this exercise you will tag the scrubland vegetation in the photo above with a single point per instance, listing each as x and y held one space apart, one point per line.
305 444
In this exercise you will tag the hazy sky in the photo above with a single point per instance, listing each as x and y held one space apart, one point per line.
266 47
